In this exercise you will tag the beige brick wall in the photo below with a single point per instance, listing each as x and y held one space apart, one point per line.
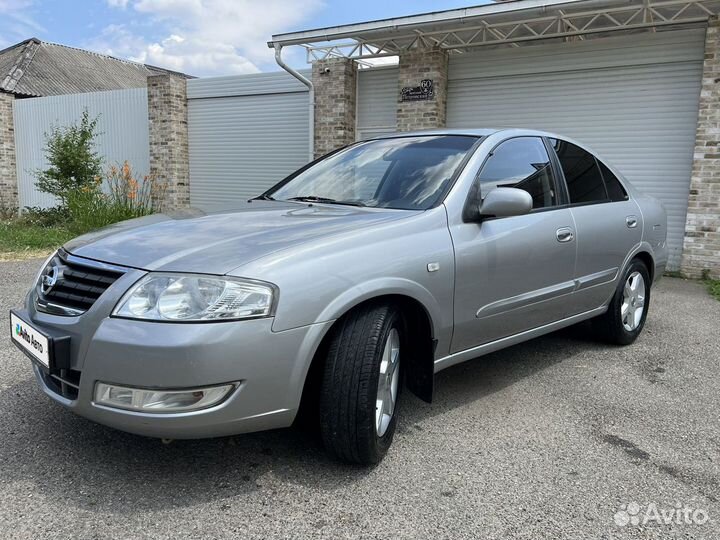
416 65
335 85
8 174
167 114
701 250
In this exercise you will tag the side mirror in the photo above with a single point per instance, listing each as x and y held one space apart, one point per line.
505 202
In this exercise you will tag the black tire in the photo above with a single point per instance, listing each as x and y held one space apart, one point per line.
609 326
350 384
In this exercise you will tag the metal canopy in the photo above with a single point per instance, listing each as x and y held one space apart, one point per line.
506 24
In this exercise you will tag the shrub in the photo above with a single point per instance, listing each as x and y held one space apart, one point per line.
45 217
74 163
124 197
135 198
89 209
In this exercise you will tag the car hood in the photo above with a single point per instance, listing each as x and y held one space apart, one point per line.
220 242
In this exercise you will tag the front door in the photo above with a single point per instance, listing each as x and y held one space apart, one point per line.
514 273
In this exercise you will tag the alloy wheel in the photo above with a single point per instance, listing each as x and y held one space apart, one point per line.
633 304
388 382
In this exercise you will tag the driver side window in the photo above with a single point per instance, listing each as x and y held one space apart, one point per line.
522 163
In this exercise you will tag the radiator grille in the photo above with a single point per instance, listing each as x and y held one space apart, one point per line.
71 285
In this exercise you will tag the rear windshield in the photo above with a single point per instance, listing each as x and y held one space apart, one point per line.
410 173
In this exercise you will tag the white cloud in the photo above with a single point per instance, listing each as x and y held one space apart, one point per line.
192 55
122 4
206 37
117 40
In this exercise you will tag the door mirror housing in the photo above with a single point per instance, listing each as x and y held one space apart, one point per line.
505 202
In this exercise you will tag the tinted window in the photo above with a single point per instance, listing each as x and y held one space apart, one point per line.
614 188
520 163
404 172
582 174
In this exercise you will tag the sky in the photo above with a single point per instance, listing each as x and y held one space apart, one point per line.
198 37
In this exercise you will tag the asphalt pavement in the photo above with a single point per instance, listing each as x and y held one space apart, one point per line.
559 437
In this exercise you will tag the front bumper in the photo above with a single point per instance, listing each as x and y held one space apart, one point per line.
270 368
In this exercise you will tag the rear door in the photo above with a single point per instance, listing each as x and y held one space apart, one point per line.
608 224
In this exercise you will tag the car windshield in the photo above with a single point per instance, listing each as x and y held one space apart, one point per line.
409 173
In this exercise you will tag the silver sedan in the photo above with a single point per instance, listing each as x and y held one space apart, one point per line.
366 271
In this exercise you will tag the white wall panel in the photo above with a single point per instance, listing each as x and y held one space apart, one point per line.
122 133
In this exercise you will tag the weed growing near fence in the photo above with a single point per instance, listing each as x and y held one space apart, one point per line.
713 285
87 199
119 197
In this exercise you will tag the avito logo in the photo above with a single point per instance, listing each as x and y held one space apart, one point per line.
30 339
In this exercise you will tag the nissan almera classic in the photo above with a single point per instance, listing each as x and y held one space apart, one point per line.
368 270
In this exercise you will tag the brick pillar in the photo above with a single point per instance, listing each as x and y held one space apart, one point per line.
335 85
701 249
8 173
167 115
417 65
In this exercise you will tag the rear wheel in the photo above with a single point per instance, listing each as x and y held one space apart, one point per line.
361 384
625 317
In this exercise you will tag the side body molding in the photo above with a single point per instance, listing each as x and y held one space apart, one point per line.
547 293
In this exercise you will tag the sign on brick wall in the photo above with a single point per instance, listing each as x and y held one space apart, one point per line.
424 92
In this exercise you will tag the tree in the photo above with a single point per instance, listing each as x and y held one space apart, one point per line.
74 163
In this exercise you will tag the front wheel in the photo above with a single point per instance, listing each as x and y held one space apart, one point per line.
626 314
361 384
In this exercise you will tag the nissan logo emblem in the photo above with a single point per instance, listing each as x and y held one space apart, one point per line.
49 278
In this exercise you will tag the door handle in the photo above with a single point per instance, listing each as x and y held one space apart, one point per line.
564 234
631 222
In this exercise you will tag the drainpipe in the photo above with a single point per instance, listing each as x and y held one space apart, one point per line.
311 95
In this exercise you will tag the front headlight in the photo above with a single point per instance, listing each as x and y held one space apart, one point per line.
194 297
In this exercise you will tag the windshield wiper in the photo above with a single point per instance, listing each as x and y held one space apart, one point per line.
262 198
314 198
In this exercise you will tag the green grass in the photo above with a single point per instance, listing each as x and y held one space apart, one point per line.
713 286
20 237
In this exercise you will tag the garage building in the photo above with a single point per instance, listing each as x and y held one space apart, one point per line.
637 80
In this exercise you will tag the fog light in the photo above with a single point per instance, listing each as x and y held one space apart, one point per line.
159 401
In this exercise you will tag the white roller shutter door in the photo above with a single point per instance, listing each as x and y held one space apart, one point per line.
377 93
245 133
633 99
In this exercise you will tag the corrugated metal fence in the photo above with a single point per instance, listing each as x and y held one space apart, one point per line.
122 133
245 134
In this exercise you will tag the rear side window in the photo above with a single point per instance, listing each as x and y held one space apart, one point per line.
582 174
614 188
521 163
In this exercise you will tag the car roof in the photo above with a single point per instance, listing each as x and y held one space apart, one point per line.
470 132
505 133
440 131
